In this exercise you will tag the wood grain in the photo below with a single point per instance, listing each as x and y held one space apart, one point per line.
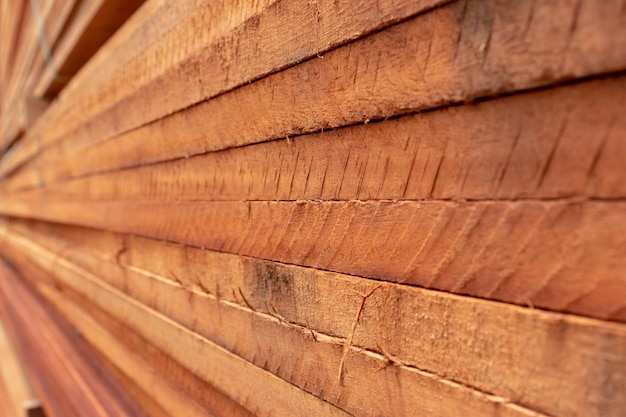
379 76
537 145
52 17
231 45
271 395
316 207
180 392
559 255
65 376
151 21
4 403
176 384
357 392
21 32
92 26
312 312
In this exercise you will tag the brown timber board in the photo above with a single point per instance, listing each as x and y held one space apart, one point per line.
93 25
68 380
267 35
318 208
234 375
449 62
146 368
558 255
541 145
259 303
361 365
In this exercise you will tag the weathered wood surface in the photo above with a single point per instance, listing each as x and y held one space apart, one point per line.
57 38
54 20
142 365
40 30
151 21
359 396
20 30
271 394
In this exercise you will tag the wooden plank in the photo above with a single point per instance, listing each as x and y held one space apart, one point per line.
92 26
65 376
256 30
544 226
13 379
49 389
147 400
53 374
180 392
263 38
176 396
316 312
446 60
44 26
559 255
338 93
10 124
12 15
27 47
151 21
544 144
271 395
402 382
19 50
156 17
267 40
54 25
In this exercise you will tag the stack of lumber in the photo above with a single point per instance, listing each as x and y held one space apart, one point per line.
44 44
319 208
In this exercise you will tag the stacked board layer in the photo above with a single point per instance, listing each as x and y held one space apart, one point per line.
314 208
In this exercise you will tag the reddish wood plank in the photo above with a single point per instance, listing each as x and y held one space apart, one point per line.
378 77
92 25
235 376
544 144
61 367
145 367
560 255
359 366
312 314
15 389
218 47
